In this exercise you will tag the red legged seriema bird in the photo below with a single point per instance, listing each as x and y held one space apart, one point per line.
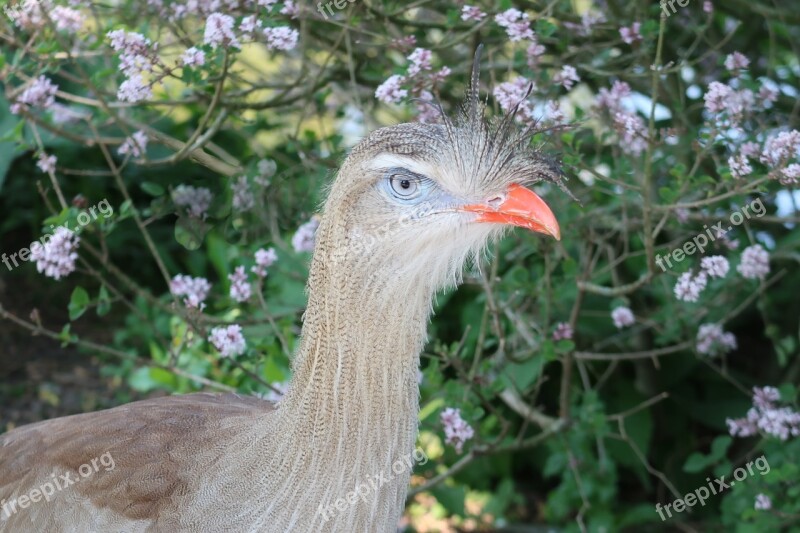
410 204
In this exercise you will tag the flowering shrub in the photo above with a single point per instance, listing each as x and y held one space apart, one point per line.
213 126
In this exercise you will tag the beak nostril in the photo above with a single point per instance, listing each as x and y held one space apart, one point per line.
496 201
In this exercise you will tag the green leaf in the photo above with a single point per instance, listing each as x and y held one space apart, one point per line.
153 189
103 302
189 232
697 462
521 375
451 498
78 303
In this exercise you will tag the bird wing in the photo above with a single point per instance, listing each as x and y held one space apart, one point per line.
150 443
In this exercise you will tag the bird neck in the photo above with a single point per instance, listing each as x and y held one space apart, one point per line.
354 397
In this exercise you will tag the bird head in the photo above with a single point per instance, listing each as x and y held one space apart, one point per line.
419 199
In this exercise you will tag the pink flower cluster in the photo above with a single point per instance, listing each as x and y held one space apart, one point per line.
29 15
419 77
622 317
781 154
241 290
754 263
56 257
264 260
194 290
228 340
630 127
304 237
196 200
472 13
516 23
689 286
726 105
46 163
712 340
456 430
219 31
135 145
763 503
136 57
766 417
567 77
39 94
563 331
631 34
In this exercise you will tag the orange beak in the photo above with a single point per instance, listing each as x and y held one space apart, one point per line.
521 207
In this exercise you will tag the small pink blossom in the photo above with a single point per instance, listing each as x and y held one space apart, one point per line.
715 266
754 263
689 286
39 94
766 417
56 257
456 430
563 331
712 340
633 132
631 34
264 260
763 502
219 31
134 89
135 145
196 200
739 166
290 9
228 340
622 317
472 13
281 38
240 288
420 60
304 237
781 148
750 149
67 19
194 57
567 77
194 290
768 94
427 110
736 61
708 7
534 52
516 24
717 97
790 175
46 163
390 92
249 25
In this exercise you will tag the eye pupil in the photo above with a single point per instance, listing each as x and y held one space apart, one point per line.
405 184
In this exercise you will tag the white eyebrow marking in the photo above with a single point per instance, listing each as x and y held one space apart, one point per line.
386 160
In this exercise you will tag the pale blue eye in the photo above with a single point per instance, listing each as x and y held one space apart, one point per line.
403 186
406 186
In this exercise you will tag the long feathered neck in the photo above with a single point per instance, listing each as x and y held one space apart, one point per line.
353 401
